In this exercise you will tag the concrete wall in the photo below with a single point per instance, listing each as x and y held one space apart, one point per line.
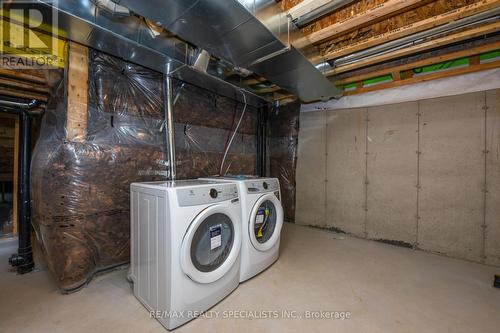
425 174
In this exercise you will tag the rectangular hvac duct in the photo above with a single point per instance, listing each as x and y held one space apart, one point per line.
251 34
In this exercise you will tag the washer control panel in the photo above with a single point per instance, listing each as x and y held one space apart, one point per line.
203 195
262 185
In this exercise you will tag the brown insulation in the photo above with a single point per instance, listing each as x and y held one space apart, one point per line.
80 190
283 132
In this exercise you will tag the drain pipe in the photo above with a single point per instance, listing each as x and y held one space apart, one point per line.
169 119
23 260
481 18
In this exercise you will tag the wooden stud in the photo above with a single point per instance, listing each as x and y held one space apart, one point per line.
423 62
408 74
474 60
410 29
427 77
460 36
369 16
76 123
396 75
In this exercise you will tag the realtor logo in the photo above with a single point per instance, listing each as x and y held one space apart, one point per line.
29 36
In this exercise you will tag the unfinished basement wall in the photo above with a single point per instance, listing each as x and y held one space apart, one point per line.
281 152
422 174
103 129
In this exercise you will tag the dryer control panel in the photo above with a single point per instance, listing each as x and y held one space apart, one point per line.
206 194
262 185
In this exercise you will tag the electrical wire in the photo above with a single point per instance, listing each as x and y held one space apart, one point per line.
234 134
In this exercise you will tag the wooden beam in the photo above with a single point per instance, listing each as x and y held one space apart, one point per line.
420 63
16 74
78 63
6 132
22 94
369 16
280 97
471 33
413 28
7 143
389 65
23 85
474 60
426 77
396 75
15 182
408 74
251 82
307 6
287 100
269 89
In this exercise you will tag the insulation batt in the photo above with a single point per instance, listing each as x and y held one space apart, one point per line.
283 134
80 189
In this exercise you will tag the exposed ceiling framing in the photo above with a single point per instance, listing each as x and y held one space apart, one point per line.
29 84
350 41
360 28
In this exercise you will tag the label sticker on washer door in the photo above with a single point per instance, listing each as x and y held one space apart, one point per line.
259 218
215 236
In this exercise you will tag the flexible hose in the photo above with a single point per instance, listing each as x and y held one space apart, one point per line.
234 133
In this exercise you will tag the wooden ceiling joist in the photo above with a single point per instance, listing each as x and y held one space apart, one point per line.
388 65
23 85
269 89
420 63
16 74
426 77
254 81
306 6
22 94
457 37
410 29
361 19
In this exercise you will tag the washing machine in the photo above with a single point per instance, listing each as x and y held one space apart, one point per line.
185 246
262 218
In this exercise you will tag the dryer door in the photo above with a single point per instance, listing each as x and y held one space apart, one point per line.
211 244
266 221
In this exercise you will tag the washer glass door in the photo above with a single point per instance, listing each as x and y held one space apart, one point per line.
211 245
266 221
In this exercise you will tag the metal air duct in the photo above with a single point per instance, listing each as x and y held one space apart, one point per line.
251 34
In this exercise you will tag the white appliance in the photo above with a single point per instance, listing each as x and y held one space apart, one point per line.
262 218
185 246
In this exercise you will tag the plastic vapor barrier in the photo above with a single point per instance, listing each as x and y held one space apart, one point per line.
80 189
282 140
204 124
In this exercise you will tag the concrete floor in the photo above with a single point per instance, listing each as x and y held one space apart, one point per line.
385 288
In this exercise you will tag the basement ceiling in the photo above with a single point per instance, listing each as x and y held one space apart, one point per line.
310 49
